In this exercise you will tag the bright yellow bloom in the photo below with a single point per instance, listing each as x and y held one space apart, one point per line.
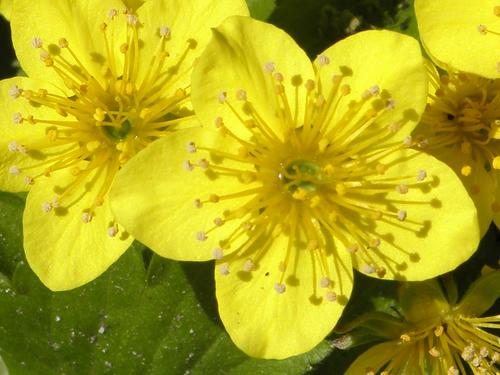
461 125
301 172
436 336
103 82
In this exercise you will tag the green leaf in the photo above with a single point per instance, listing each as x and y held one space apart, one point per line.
11 211
261 9
134 319
405 21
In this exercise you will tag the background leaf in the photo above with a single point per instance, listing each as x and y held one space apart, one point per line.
261 9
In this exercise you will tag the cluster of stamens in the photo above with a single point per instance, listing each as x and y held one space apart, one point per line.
102 121
464 114
310 181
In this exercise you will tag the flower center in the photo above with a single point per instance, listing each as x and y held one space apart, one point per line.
301 176
463 114
101 121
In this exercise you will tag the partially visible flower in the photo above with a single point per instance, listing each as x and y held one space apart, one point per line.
104 82
437 335
461 125
302 172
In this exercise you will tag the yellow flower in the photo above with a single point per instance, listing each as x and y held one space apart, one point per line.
461 125
103 82
301 172
436 336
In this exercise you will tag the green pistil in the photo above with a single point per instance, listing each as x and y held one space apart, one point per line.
118 134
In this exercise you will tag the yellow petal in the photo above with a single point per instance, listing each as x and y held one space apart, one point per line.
78 22
61 249
479 184
235 60
6 8
168 218
453 33
383 60
24 134
374 358
267 324
189 24
439 230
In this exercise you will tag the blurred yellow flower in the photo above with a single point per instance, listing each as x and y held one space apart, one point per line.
436 336
305 174
103 82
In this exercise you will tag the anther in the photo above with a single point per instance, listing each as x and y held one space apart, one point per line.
279 288
191 147
203 163
186 164
402 188
12 146
369 269
402 215
241 95
391 104
323 60
63 43
218 122
218 253
86 217
248 265
197 203
132 19
222 97
36 42
112 231
218 221
482 29
28 180
201 236
269 67
224 269
165 32
496 10
422 175
331 296
438 331
17 118
466 170
353 248
453 371
14 91
112 13
14 170
325 282
394 127
408 140
434 352
374 242
309 85
46 207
